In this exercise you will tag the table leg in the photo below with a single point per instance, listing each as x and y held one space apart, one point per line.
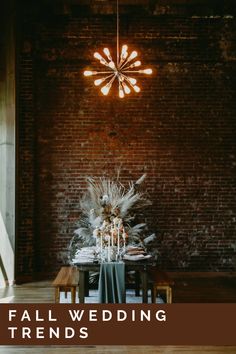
144 275
137 283
81 286
57 294
124 296
86 283
73 294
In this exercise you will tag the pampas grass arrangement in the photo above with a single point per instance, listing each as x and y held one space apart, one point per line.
104 200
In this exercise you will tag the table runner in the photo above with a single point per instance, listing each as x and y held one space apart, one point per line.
111 287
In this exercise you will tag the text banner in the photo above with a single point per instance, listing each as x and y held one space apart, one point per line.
117 324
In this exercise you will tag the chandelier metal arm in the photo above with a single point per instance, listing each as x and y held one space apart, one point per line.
103 72
133 71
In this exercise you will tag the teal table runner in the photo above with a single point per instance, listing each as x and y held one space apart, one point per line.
111 286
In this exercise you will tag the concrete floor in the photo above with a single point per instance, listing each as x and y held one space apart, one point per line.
120 350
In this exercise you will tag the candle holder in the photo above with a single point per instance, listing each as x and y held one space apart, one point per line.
102 255
113 253
106 255
119 255
110 254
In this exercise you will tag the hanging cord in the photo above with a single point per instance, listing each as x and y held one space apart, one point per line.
117 32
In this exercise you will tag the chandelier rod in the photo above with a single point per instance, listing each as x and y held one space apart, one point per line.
117 33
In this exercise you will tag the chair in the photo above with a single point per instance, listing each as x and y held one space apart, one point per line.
160 281
66 280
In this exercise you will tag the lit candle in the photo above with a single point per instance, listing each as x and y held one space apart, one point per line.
124 236
101 246
109 249
118 238
112 236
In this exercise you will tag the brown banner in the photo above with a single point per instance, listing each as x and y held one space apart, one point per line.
123 324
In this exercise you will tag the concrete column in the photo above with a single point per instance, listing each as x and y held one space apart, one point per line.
7 145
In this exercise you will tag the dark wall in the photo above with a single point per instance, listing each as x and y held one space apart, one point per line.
180 129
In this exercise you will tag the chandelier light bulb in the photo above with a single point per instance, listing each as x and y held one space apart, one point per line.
124 52
146 71
88 73
133 55
98 82
126 88
136 88
137 63
124 48
103 61
100 58
132 80
125 55
112 65
105 89
107 52
97 56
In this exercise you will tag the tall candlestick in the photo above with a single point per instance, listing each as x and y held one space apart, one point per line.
124 236
112 236
118 239
109 249
101 247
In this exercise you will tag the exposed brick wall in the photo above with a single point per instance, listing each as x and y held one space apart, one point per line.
180 130
25 185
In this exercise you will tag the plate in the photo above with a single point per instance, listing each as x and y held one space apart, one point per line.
138 257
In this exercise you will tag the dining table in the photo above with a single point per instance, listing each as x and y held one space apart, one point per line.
140 267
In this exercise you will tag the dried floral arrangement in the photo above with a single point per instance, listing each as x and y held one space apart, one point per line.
105 201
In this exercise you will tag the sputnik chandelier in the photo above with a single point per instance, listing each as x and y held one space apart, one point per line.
121 70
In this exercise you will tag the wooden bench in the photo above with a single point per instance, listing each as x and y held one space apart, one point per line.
160 281
66 280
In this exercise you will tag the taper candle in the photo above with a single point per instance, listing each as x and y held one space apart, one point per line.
109 249
101 246
112 236
118 238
